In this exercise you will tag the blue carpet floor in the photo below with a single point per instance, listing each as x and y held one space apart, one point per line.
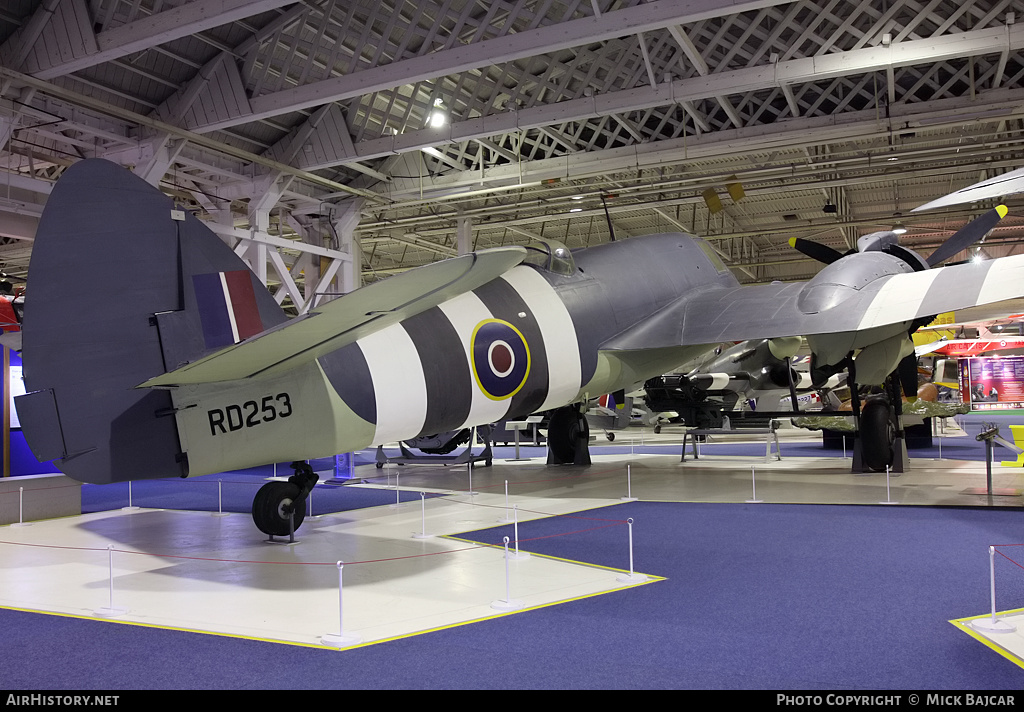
762 596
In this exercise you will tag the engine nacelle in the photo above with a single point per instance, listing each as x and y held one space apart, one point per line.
844 278
875 362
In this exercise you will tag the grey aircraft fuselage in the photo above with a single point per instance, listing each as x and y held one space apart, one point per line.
524 342
192 367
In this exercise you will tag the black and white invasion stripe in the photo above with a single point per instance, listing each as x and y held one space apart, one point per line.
508 348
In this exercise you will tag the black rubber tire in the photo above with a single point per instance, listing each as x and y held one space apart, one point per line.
877 435
567 429
267 508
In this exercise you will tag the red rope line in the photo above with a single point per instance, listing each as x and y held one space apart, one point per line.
36 489
534 511
578 531
1008 558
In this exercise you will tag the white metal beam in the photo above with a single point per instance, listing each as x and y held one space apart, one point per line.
17 48
102 107
279 242
287 282
181 21
792 132
693 54
612 25
738 81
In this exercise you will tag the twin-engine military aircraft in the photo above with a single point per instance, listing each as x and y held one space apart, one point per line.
192 367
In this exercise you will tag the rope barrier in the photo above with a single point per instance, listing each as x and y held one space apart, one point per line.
36 489
607 522
997 548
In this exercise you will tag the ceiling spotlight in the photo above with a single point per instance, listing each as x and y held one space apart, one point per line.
438 117
899 228
829 207
575 210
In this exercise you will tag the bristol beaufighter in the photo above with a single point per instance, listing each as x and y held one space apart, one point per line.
193 368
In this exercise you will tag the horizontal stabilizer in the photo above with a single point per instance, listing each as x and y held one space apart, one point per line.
342 321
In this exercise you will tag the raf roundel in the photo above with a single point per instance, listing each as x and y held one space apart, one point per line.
501 358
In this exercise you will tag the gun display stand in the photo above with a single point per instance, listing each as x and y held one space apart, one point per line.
464 457
991 437
271 539
900 457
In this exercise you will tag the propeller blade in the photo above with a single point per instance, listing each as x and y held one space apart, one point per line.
967 235
815 250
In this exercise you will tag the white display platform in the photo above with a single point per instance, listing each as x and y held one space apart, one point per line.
1009 645
213 580
42 497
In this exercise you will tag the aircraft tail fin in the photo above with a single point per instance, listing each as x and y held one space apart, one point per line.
123 291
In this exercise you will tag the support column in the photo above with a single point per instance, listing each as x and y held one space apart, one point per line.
162 151
259 219
344 221
465 235
6 129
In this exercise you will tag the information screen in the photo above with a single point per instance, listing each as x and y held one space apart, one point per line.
992 383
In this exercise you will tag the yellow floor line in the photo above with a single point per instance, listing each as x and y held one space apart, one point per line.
961 623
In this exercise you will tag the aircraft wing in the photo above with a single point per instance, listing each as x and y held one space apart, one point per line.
343 320
771 310
1006 184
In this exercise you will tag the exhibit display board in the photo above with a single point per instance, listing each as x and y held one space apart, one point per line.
15 386
18 458
992 383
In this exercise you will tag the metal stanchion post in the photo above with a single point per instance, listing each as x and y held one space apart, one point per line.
110 611
340 639
992 624
423 518
508 603
631 577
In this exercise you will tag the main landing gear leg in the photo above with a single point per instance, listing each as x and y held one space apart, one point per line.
568 437
279 507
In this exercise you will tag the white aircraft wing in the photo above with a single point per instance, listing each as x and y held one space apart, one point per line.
1006 184
772 310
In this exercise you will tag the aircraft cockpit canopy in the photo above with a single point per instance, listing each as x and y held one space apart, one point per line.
552 256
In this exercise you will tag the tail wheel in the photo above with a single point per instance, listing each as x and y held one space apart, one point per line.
877 435
269 508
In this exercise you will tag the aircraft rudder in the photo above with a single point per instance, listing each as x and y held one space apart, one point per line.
112 305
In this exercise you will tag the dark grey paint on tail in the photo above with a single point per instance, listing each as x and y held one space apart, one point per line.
107 261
